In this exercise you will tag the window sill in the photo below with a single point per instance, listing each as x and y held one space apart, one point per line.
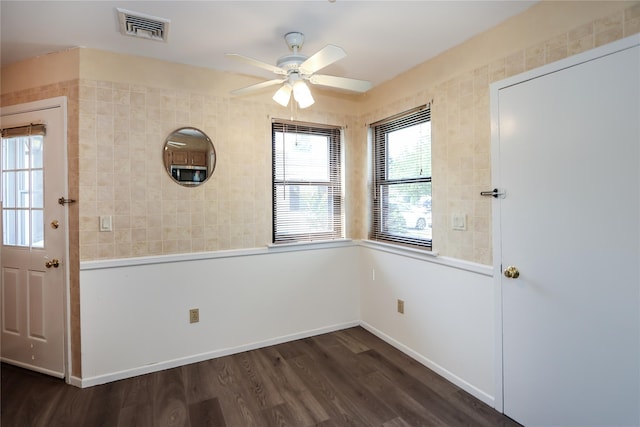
400 249
316 244
429 256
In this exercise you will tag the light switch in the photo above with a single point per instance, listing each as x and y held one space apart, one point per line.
458 221
105 223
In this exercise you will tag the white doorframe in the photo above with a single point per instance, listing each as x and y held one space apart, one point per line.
45 104
494 89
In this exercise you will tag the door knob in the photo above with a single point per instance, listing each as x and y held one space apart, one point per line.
511 272
53 263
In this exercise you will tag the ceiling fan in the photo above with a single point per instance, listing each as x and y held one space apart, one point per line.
297 68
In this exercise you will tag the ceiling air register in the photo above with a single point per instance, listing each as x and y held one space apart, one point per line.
144 26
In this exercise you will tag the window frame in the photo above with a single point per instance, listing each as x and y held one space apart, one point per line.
379 211
334 185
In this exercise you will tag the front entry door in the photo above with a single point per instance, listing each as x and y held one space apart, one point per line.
33 238
569 226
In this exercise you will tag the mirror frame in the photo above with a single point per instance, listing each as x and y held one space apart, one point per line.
189 142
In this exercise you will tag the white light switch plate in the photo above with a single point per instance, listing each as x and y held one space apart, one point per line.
458 221
105 223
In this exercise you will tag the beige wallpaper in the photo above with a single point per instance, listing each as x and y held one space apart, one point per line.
125 115
461 123
122 131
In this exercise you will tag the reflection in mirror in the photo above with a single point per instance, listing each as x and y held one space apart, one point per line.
189 156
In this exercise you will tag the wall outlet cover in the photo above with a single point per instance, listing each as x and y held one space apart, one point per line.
194 315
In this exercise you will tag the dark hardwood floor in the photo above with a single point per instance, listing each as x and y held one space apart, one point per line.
344 378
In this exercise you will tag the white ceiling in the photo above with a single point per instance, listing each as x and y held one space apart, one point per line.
382 38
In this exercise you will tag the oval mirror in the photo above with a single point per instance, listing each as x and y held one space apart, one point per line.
189 156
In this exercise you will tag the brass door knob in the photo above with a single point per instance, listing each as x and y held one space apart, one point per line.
511 272
53 263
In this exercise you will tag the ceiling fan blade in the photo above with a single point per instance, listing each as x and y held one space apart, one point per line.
257 87
256 63
324 57
353 85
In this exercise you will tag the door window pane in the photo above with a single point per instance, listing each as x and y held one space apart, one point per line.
9 189
37 193
36 153
23 191
37 229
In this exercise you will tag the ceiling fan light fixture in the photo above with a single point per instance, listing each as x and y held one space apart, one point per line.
283 95
302 94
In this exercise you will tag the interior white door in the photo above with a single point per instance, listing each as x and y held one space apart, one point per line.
33 240
569 163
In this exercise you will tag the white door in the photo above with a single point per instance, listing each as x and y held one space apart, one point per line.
33 238
569 222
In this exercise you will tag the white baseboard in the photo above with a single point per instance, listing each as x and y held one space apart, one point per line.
168 364
469 388
115 376
74 381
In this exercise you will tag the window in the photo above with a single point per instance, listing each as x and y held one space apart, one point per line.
22 186
401 208
307 190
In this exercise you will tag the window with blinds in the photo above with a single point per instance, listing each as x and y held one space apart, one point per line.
401 208
307 187
23 186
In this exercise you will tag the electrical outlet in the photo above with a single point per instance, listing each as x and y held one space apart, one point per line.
400 306
194 315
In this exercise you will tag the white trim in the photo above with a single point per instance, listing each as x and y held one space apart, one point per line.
115 376
469 388
30 107
315 244
74 381
198 256
400 249
429 256
34 106
494 89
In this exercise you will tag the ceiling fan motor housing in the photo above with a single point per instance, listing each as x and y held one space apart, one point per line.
291 62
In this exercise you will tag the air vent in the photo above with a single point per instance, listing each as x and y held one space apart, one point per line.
138 24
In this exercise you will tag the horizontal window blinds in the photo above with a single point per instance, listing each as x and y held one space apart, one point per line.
401 208
307 188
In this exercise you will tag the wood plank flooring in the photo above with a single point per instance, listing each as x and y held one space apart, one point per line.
344 378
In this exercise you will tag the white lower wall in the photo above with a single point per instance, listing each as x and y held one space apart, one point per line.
448 323
135 318
135 314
